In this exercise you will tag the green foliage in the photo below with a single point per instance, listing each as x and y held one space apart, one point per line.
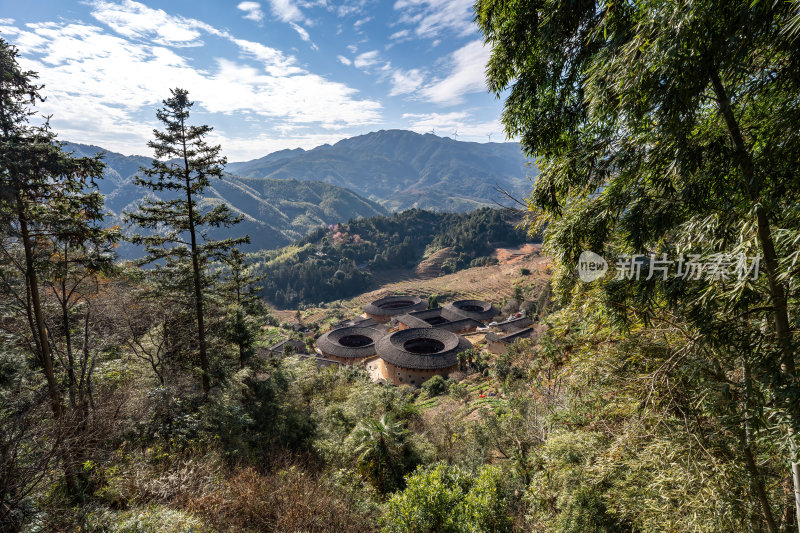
656 125
447 499
459 392
153 519
53 248
246 312
561 496
379 449
264 412
483 261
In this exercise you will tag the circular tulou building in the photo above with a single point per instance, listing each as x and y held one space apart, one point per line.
384 309
474 309
349 345
412 356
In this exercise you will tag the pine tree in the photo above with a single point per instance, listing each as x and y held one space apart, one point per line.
181 171
239 287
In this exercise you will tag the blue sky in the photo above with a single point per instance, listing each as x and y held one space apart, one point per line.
267 75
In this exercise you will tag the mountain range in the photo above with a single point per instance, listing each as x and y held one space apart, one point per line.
276 212
402 169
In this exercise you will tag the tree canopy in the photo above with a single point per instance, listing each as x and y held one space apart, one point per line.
666 127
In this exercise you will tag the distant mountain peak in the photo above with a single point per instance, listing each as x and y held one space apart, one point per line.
402 169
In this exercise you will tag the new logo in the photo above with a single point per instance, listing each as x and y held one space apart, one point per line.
591 266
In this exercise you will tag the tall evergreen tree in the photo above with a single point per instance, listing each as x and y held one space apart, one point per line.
181 171
47 198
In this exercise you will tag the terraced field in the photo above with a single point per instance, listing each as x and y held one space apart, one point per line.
493 283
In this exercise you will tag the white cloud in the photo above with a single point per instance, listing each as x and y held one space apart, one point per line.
447 124
103 88
402 34
434 17
274 62
286 11
135 20
343 60
405 82
353 48
467 75
300 31
366 60
349 7
252 11
360 22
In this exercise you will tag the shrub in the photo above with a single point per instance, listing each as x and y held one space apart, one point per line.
562 498
153 519
446 499
483 261
288 499
529 308
511 306
435 386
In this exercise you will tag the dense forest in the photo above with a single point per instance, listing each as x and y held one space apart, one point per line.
337 262
133 397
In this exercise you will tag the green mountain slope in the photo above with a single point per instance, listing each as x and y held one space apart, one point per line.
276 211
402 169
338 261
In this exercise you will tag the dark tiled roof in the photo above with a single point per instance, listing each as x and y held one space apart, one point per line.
409 320
435 317
364 322
454 323
515 324
395 305
357 321
400 350
475 309
353 342
445 313
460 325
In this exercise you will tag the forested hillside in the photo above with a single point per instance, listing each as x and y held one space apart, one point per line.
338 261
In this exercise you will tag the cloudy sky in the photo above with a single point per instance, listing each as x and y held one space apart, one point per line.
267 75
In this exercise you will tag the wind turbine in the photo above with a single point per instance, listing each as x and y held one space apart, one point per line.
455 134
490 136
